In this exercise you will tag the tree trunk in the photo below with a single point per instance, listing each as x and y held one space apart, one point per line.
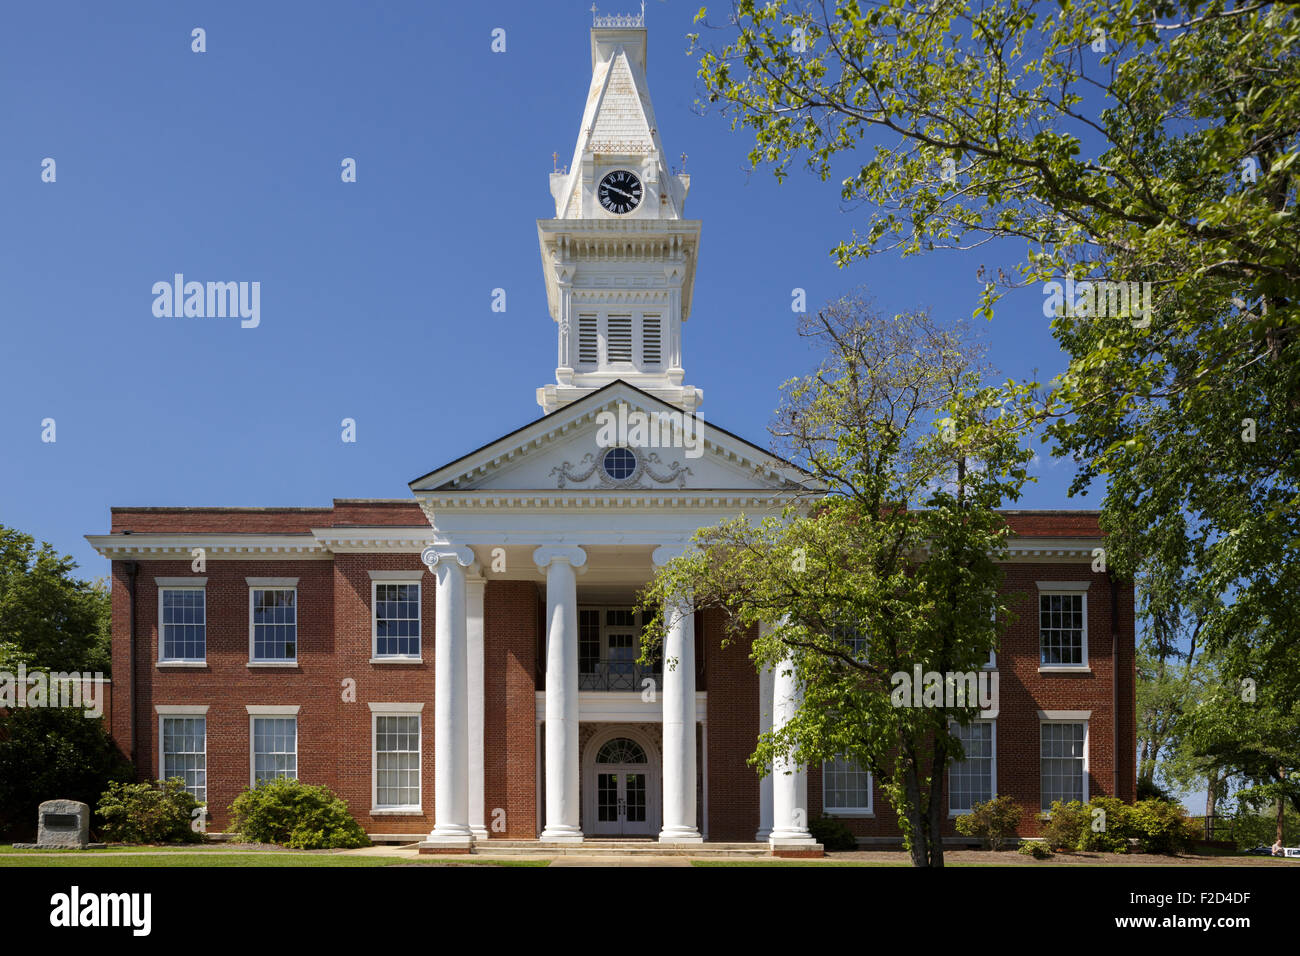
1211 797
1281 810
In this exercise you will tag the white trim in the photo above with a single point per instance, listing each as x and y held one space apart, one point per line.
272 710
407 577
181 582
395 710
993 766
387 708
622 706
1065 588
180 710
1087 734
256 712
859 812
253 660
1064 716
237 547
162 628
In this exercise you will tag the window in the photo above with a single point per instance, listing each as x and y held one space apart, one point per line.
397 760
274 615
1062 620
275 748
588 345
619 463
651 341
846 788
1062 770
618 339
972 780
182 624
184 752
396 618
853 636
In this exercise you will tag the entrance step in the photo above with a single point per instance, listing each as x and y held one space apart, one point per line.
620 848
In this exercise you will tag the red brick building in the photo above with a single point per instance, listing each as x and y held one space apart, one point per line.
460 665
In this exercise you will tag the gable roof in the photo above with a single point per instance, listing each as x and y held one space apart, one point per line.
544 430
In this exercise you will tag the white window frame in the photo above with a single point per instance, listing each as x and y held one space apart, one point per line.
1065 717
394 577
378 710
181 584
867 811
273 584
1073 589
256 711
993 765
166 711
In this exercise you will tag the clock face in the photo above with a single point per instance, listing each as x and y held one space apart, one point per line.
620 191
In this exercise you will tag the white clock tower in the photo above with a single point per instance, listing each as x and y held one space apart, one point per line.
619 259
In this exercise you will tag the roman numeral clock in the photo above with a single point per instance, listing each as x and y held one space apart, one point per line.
620 191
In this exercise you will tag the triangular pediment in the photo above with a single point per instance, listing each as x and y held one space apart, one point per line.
566 450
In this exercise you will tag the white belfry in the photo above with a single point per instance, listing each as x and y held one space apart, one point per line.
561 565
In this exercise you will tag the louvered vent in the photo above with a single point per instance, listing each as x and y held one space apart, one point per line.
651 341
619 342
587 341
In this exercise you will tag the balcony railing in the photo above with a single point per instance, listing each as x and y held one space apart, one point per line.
617 675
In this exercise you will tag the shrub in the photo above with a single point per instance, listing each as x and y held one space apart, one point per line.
53 753
1064 824
297 815
1115 819
159 812
832 834
1035 848
993 821
1162 826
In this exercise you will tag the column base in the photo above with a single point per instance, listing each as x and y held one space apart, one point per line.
480 833
561 834
447 841
680 835
795 844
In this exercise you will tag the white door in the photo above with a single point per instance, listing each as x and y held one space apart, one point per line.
622 774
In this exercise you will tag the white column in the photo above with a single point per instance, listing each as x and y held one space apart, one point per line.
451 700
789 782
474 589
679 770
561 564
765 783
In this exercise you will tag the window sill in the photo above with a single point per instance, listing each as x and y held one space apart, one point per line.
272 663
852 814
180 663
1064 669
397 660
396 812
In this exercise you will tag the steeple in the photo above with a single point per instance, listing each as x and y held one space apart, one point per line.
618 257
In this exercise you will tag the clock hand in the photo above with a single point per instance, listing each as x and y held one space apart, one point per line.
615 189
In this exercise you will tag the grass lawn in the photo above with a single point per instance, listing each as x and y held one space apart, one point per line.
216 856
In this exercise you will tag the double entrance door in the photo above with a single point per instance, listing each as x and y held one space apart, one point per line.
622 775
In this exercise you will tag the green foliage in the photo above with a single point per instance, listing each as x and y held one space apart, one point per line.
1250 830
48 618
1109 826
1161 826
1064 824
49 753
1035 848
993 821
294 814
896 565
157 812
832 834
1141 142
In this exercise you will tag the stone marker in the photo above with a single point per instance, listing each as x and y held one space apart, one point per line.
62 824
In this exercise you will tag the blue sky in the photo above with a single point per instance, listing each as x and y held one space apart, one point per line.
376 295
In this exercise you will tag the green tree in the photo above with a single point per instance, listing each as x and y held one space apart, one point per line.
50 619
1120 140
856 585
